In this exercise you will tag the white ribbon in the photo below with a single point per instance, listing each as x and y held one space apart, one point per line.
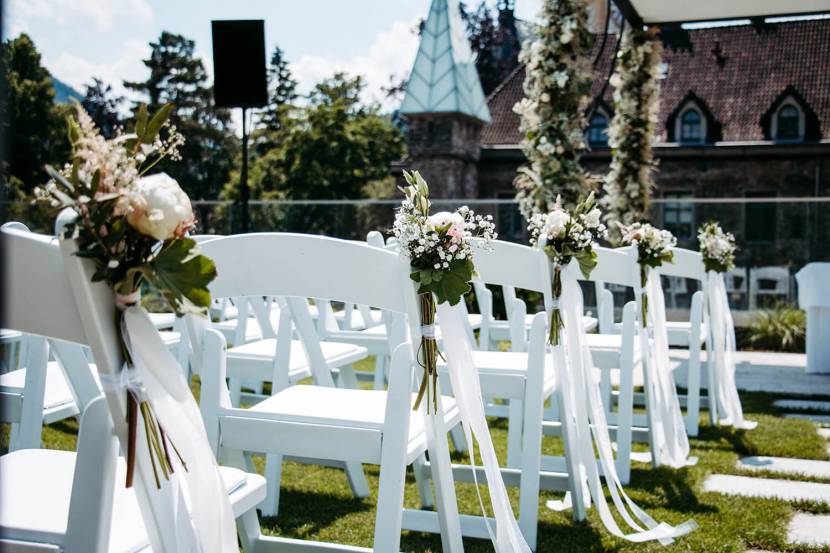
194 501
723 346
668 429
428 331
589 419
466 387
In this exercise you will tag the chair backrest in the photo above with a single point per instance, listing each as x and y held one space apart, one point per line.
615 266
779 277
735 280
39 300
205 237
686 264
514 265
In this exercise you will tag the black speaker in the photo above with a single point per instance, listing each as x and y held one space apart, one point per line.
239 63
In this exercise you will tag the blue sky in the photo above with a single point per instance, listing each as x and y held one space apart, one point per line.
80 39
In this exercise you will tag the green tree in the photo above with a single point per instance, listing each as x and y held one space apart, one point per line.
35 126
494 40
274 119
103 106
178 76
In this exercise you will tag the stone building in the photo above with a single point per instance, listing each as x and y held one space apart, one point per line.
745 116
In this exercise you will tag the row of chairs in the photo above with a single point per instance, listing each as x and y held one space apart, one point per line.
764 286
278 337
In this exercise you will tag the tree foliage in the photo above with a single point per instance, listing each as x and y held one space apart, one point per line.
35 127
494 40
103 106
177 76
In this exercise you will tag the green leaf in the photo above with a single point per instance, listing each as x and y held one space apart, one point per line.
96 181
587 260
141 122
154 126
182 275
73 130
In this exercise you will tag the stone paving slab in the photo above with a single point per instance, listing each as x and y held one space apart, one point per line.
804 467
801 404
818 419
808 529
788 490
762 371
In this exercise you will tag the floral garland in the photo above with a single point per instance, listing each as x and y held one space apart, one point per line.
133 227
636 111
567 235
557 90
440 251
654 247
718 247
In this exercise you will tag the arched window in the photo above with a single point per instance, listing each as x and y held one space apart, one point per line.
788 123
597 135
692 127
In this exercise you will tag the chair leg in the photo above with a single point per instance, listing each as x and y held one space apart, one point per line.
422 482
357 479
531 465
625 409
247 526
693 392
442 478
459 442
270 506
348 378
235 386
514 433
380 372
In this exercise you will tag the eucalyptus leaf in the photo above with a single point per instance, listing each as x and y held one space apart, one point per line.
155 124
182 275
141 122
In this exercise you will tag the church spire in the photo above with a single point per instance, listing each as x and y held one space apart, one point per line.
444 78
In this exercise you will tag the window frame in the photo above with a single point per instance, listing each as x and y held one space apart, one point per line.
788 103
679 207
772 216
603 131
679 124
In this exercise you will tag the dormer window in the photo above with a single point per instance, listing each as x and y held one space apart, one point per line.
597 130
788 123
692 126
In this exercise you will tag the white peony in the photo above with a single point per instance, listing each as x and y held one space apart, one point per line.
159 207
592 218
556 221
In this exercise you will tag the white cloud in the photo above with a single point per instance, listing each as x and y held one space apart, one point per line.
101 12
78 72
392 53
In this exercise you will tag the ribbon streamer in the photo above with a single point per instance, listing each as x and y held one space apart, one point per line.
507 537
192 508
668 429
590 420
723 346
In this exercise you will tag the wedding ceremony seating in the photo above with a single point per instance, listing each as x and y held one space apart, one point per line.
320 420
77 501
526 378
768 285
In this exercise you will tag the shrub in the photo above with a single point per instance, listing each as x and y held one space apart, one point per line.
779 329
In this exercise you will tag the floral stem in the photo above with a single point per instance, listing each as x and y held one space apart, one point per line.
556 323
428 355
643 281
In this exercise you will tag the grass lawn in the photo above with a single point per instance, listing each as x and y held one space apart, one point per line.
316 502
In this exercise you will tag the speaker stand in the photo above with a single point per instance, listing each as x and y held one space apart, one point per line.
244 192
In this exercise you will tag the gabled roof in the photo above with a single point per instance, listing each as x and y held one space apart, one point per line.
738 71
444 78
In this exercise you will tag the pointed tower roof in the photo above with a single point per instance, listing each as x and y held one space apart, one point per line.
444 78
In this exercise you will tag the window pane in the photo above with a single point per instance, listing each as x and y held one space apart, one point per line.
596 131
678 218
788 120
760 218
691 128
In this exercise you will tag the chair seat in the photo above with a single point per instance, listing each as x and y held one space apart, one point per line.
606 349
170 338
499 370
357 322
326 406
261 352
36 487
163 320
475 320
679 332
57 390
589 323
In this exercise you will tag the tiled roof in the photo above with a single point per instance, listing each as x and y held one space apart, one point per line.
738 72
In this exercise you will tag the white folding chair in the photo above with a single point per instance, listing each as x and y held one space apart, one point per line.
59 500
737 285
34 395
768 282
674 289
691 334
616 352
322 421
526 378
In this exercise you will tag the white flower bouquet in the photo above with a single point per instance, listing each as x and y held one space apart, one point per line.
654 247
134 229
440 251
718 247
567 235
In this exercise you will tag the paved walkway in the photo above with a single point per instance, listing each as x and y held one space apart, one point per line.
760 371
